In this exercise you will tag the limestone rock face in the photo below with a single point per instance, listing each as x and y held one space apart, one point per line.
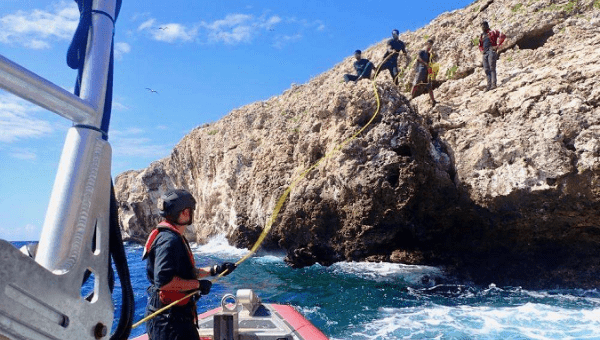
498 186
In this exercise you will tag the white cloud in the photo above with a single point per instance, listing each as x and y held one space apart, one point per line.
37 28
283 40
170 33
30 228
233 29
146 24
121 48
316 24
128 132
119 106
238 28
233 36
17 120
133 142
270 22
174 32
23 154
140 15
230 21
37 44
28 232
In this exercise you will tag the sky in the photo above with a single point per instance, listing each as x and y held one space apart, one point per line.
203 59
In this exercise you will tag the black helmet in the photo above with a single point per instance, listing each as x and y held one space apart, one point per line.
173 202
395 32
485 24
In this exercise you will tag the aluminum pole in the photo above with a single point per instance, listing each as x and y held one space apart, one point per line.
31 87
60 241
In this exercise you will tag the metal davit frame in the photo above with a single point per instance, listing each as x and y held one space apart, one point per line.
42 299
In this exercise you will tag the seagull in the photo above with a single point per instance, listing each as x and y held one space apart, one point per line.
163 28
151 90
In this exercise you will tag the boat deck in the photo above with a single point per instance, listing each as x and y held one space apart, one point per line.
249 319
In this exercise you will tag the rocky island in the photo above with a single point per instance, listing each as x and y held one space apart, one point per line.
499 186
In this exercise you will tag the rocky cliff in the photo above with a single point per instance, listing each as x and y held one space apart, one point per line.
498 186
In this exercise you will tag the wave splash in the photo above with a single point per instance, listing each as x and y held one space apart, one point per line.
528 321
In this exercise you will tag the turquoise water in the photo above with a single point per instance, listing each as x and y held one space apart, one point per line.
368 301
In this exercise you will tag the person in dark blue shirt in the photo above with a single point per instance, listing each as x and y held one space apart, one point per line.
422 71
363 68
172 272
390 58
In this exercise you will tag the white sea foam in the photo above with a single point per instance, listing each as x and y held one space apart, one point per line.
386 271
530 321
589 297
220 247
269 258
133 246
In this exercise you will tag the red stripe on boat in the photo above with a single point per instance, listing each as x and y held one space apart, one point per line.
209 313
297 321
302 326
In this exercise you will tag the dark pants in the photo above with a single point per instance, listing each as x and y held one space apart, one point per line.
392 68
366 74
172 326
421 84
350 77
421 77
489 66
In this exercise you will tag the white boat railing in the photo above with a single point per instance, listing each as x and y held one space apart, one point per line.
43 300
39 91
86 109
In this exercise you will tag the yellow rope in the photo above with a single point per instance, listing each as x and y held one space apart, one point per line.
173 303
287 191
281 200
408 67
430 76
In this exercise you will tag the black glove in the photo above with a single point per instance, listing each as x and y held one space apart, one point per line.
204 286
226 267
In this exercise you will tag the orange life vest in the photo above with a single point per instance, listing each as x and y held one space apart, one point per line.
168 296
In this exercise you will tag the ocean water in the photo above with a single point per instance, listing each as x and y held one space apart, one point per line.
383 301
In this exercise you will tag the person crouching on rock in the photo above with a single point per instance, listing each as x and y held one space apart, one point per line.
362 66
172 272
489 42
422 70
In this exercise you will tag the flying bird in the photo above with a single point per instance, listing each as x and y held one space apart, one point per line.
151 90
163 28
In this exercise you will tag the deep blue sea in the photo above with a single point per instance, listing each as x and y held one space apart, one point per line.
385 301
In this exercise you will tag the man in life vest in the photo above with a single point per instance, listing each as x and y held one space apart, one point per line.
390 58
489 42
362 66
422 70
172 272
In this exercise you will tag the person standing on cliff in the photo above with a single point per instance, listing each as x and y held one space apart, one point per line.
489 42
422 71
362 66
172 272
390 58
